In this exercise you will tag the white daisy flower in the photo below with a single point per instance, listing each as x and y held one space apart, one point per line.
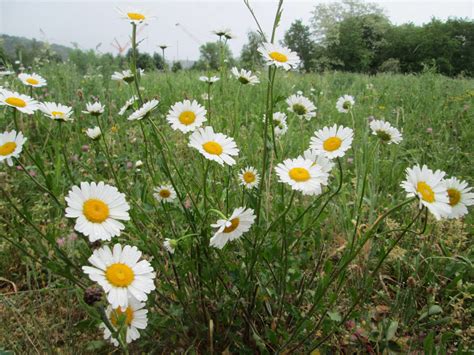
386 132
460 197
186 116
232 228
170 245
279 123
135 16
127 105
302 175
224 32
245 77
11 145
165 193
22 103
33 80
144 110
279 56
430 188
93 133
120 274
214 146
301 106
56 111
345 103
332 142
6 72
324 163
94 109
249 177
97 209
126 76
135 317
209 79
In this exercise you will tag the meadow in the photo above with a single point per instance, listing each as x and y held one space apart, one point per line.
355 266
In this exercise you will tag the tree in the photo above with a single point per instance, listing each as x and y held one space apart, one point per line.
210 56
250 58
158 60
327 17
298 39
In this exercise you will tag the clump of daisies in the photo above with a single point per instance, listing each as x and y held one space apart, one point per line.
301 106
279 56
245 77
186 116
11 146
345 103
385 132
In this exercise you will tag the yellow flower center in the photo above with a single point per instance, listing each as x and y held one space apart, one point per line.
119 275
299 174
8 148
96 211
165 193
117 313
332 143
32 81
234 223
454 197
279 57
249 177
187 117
15 101
213 148
135 16
57 114
426 192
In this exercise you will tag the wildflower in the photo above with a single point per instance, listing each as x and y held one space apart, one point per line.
120 274
460 197
430 188
6 72
11 145
279 56
170 245
249 177
224 32
128 104
22 103
33 80
138 163
97 209
385 132
232 228
94 132
209 79
135 16
214 146
56 111
244 77
301 106
164 193
345 103
144 110
280 126
332 142
302 175
186 116
94 109
126 76
324 163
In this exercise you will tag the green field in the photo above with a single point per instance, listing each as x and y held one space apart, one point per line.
267 291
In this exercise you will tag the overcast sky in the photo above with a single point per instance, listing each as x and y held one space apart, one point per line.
91 22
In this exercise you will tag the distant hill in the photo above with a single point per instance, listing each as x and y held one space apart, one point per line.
10 44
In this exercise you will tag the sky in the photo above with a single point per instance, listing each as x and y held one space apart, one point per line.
97 23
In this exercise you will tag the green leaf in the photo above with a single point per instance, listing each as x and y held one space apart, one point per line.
392 329
335 316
